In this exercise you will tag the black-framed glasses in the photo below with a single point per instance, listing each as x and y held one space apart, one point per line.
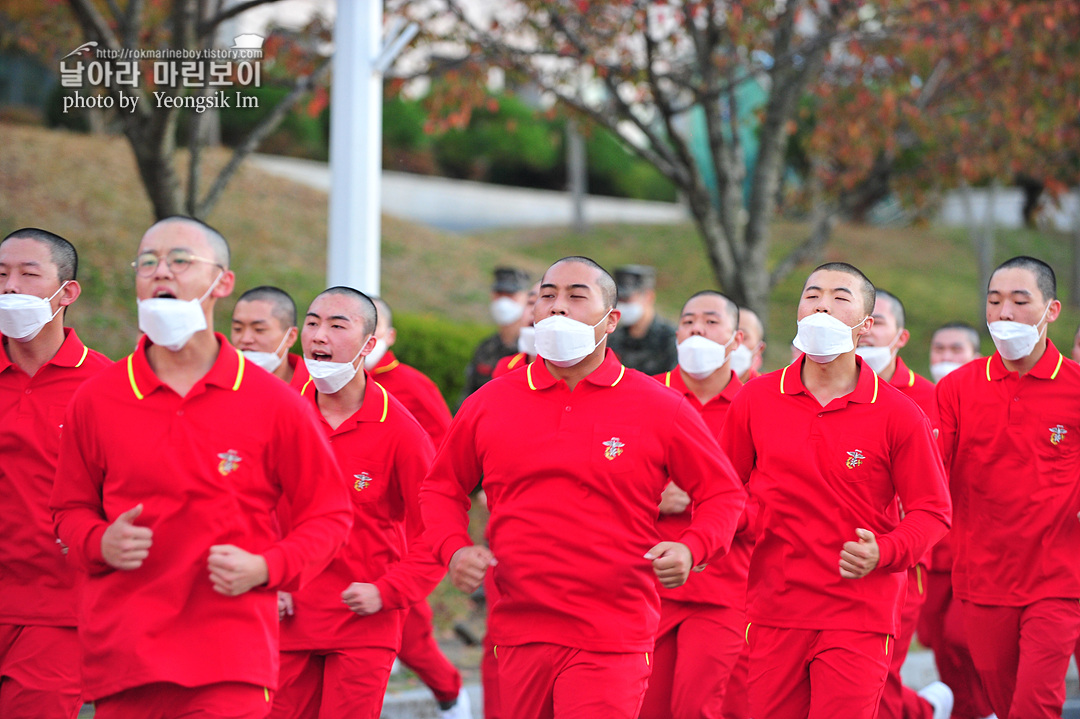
178 261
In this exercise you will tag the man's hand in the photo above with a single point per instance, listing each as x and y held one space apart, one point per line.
857 559
125 546
468 566
671 561
364 599
673 500
285 606
234 571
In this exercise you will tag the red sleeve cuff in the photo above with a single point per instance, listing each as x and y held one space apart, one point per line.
445 552
391 597
95 558
697 549
887 554
274 567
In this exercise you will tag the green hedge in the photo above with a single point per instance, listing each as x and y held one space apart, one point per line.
439 349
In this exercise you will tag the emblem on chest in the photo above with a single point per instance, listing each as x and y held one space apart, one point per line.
1057 434
855 459
363 481
230 461
614 448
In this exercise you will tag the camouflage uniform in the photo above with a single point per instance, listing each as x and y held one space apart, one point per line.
652 354
655 352
508 281
487 355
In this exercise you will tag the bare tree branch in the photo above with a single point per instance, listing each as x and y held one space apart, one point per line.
92 21
132 21
303 85
113 8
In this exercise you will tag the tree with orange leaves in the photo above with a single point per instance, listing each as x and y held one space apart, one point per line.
53 27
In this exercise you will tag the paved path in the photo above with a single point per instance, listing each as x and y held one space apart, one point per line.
918 671
462 206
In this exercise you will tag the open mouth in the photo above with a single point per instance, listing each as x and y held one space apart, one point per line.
319 356
164 293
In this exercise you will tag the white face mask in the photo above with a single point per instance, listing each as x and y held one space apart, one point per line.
878 357
632 312
1016 340
170 322
940 369
564 342
269 361
527 341
23 316
506 311
372 360
741 359
823 337
700 357
330 377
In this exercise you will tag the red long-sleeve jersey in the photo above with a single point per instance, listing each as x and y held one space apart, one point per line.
573 480
818 473
37 586
383 454
209 468
417 392
723 582
1011 446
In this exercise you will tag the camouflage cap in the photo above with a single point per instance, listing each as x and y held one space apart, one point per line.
510 279
634 278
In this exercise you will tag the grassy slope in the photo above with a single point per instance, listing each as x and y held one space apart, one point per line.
86 189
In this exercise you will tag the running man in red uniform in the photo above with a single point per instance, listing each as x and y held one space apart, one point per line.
264 328
827 448
410 386
941 625
420 395
746 359
702 622
575 451
172 463
880 349
42 363
339 643
1010 437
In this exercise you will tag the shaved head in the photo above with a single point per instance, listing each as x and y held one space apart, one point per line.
604 281
218 246
865 286
365 308
61 251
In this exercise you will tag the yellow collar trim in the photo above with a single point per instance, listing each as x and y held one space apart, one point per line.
783 378
667 379
528 375
1058 368
239 370
85 351
131 377
385 402
386 368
